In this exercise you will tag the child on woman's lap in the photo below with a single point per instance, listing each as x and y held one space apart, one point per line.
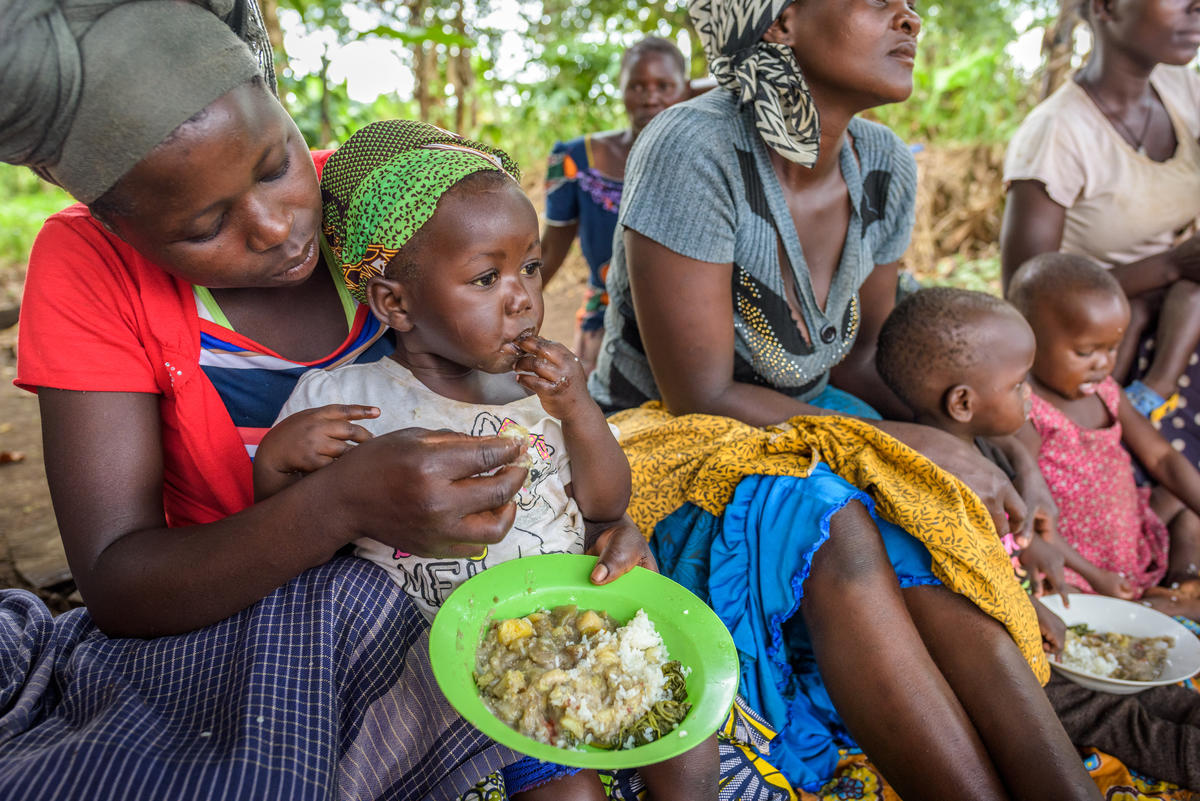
1079 422
438 237
975 352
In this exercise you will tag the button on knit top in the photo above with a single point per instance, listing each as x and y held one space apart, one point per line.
699 181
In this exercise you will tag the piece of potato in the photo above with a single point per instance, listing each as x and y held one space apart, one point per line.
590 623
513 629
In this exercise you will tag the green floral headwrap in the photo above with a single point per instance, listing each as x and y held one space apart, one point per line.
384 183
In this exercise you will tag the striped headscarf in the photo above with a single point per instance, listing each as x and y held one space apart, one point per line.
384 183
761 73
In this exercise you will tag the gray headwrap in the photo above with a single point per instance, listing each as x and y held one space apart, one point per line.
761 73
89 87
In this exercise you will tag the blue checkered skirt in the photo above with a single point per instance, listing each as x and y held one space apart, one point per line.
321 690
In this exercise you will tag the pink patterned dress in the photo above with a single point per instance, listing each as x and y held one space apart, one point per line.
1102 512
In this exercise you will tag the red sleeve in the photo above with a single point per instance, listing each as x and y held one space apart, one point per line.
319 158
80 321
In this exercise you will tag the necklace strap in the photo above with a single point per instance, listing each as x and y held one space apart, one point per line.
1137 142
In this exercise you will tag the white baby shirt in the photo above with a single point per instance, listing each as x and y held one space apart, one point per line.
547 521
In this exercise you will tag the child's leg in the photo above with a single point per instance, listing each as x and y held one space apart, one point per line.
1183 556
1176 337
896 702
1154 732
992 680
1142 310
582 786
691 776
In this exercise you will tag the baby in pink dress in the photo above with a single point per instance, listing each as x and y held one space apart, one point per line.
1102 512
1131 539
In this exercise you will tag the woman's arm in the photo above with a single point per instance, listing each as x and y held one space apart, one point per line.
684 309
856 374
1033 224
412 489
556 243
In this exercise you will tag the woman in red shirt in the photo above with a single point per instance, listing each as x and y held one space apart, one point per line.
162 323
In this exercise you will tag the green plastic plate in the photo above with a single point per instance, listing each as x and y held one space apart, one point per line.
691 631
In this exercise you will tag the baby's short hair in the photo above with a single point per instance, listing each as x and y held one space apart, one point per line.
1057 276
932 333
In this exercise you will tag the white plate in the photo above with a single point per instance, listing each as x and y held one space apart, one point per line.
1105 614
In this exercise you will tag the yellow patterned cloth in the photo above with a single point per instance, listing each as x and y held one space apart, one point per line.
700 459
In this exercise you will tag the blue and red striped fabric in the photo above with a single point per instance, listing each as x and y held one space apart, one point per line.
254 382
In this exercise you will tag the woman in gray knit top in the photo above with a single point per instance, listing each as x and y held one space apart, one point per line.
756 261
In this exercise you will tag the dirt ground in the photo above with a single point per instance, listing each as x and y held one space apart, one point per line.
31 555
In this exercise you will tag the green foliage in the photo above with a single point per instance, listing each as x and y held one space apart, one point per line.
965 86
981 275
25 203
972 21
960 94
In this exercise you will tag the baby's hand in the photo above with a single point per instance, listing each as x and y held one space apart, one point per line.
554 374
1107 582
1045 565
309 440
1054 630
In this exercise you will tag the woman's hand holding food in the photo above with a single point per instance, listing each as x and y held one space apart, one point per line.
428 492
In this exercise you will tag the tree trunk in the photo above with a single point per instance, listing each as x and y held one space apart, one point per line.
270 13
326 121
462 76
424 62
1058 45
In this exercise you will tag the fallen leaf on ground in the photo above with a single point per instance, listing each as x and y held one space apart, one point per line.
9 457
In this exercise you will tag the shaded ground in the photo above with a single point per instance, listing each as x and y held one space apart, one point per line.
31 555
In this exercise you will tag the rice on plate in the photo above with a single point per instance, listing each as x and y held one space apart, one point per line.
1163 638
565 678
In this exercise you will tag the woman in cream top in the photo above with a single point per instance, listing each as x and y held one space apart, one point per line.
1109 167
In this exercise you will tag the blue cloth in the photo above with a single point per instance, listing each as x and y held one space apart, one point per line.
323 689
530 773
750 565
577 192
836 400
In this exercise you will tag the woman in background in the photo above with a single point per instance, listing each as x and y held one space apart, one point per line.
1108 167
585 177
